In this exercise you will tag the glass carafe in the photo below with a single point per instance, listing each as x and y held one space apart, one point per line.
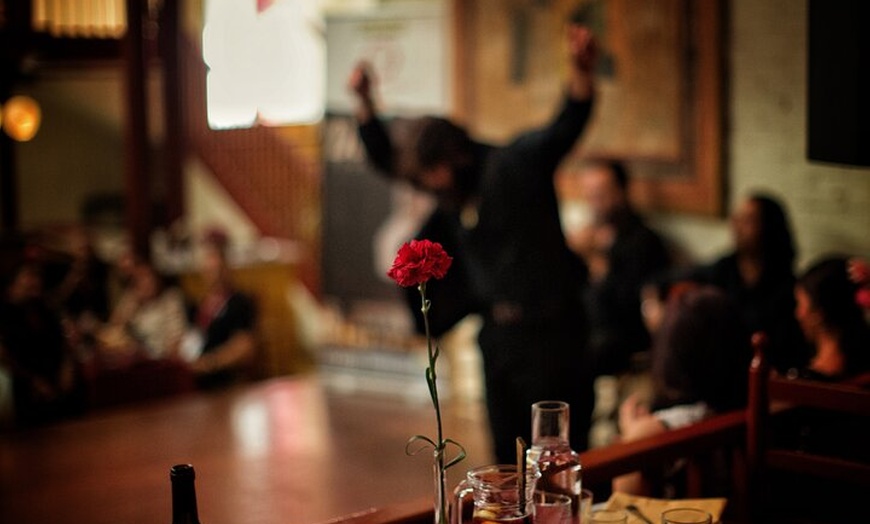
551 455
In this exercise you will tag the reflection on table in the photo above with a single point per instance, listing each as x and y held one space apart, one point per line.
287 450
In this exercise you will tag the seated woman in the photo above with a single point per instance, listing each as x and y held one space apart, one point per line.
225 320
830 311
150 317
758 275
832 320
700 360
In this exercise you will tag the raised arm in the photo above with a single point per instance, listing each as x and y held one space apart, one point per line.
582 56
549 145
372 132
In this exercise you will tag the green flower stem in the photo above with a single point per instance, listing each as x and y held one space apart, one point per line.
430 372
431 378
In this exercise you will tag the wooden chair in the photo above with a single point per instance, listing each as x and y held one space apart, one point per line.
721 435
775 399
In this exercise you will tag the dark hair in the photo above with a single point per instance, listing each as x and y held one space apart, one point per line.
216 239
620 174
615 167
832 294
776 238
701 353
430 141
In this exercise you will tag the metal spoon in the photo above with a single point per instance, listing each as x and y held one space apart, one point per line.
633 509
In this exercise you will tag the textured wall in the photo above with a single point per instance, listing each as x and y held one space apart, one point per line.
830 205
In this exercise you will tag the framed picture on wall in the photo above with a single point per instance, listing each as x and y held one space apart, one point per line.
659 104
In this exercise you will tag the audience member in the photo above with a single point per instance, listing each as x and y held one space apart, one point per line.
831 317
621 253
829 310
225 321
83 294
151 316
34 350
759 276
121 275
700 367
497 216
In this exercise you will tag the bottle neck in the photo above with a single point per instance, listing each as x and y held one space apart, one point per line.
550 423
184 501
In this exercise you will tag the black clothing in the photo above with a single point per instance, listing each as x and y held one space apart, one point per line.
237 315
90 294
512 266
617 328
768 306
32 337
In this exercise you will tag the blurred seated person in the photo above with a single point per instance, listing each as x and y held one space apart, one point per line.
830 310
34 350
759 275
150 319
225 347
83 293
121 275
831 316
700 362
620 252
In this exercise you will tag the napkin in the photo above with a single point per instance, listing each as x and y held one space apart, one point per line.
653 508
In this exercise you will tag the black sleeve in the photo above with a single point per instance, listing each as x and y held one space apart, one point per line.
550 144
240 315
378 146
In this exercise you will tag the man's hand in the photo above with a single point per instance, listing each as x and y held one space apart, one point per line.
582 48
360 83
582 56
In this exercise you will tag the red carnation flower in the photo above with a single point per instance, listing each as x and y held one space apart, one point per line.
862 298
859 271
418 261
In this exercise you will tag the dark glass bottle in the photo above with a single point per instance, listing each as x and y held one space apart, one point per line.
183 494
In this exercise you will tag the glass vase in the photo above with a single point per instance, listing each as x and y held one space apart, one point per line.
440 478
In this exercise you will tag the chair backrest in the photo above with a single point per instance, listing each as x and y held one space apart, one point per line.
772 399
698 446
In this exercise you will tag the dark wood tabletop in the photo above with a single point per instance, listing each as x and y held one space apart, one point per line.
287 451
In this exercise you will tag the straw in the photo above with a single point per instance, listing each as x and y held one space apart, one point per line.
521 471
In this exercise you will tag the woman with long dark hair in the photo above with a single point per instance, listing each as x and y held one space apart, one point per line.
832 320
759 276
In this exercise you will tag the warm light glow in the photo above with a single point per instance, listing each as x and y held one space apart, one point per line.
266 62
21 118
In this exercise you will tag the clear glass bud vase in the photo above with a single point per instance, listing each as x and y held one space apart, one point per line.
441 500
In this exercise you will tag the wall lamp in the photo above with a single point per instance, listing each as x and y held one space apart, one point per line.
20 117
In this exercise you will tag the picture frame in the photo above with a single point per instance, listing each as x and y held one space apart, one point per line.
661 70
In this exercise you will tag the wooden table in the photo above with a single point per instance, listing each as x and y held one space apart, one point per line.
283 451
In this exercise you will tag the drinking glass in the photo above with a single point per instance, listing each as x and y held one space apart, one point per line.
686 516
584 510
551 508
609 516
